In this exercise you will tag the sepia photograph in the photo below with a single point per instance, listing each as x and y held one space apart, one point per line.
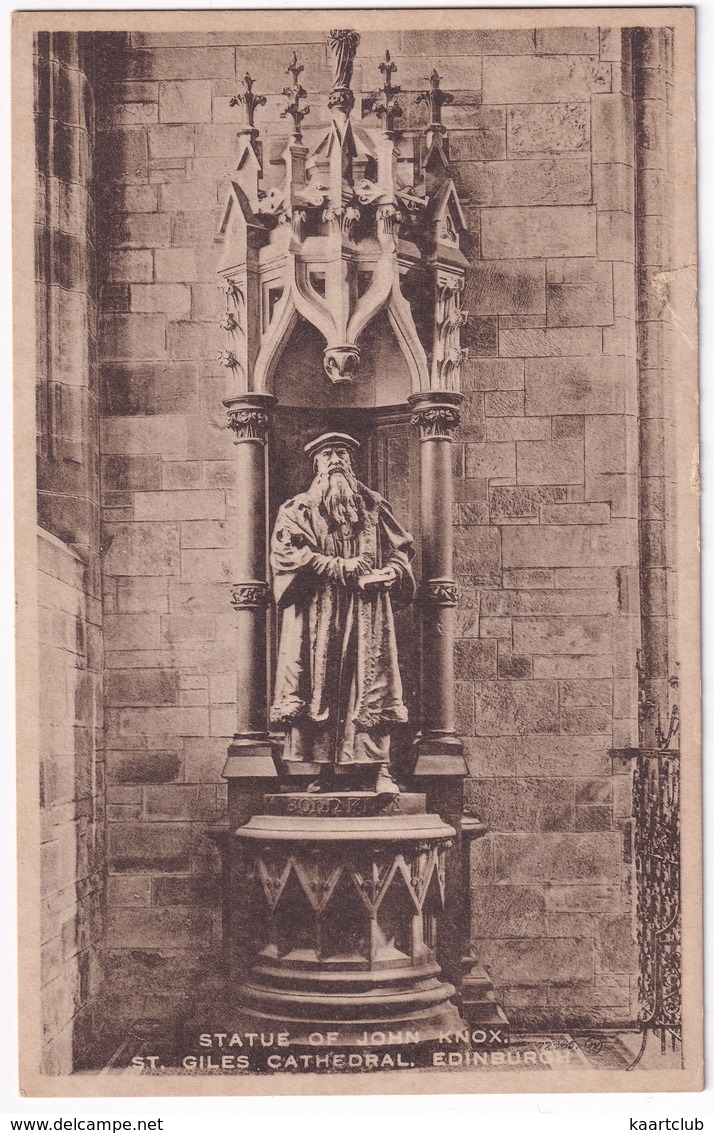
357 551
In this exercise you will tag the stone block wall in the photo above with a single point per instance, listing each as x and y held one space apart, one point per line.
547 532
71 801
71 787
66 288
546 521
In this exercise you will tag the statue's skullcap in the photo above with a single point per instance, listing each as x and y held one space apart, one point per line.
327 440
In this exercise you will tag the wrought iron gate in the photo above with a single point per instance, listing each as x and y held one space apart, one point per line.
657 847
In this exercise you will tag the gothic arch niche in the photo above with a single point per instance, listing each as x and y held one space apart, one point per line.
375 411
383 379
343 284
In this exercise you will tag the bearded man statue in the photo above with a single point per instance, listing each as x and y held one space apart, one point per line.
340 563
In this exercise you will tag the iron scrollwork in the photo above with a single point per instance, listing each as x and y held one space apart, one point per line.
656 789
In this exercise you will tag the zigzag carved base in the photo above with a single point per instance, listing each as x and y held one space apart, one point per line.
348 911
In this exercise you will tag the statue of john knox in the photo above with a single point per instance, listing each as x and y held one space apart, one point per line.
341 563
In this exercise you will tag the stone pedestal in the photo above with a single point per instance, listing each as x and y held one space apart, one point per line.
347 894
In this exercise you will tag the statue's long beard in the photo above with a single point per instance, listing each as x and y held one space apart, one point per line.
340 496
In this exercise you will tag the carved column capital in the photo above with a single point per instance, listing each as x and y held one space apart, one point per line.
249 416
439 592
436 413
251 595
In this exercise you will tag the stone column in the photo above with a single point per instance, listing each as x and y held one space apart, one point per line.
652 63
250 753
436 413
440 764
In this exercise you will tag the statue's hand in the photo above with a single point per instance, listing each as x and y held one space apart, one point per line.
389 577
383 579
332 567
355 567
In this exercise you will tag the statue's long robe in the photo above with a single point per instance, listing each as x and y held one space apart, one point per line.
337 687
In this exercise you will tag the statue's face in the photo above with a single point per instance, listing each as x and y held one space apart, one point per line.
334 458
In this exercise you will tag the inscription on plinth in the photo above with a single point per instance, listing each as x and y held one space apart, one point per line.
353 804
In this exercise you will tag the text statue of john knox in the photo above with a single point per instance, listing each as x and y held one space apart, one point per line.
340 563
